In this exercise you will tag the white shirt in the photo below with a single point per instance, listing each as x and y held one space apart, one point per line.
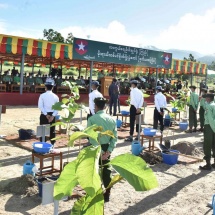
160 101
45 102
94 94
136 97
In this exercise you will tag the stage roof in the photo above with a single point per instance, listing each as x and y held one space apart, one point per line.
45 53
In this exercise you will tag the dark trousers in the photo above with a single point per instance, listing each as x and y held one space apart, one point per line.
133 114
201 116
158 117
106 171
118 103
43 121
113 102
209 143
192 117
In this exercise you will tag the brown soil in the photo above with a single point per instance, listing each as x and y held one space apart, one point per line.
24 185
151 158
187 148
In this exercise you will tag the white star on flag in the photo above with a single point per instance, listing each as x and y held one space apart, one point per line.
167 58
81 46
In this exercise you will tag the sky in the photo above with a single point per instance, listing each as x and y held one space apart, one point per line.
165 24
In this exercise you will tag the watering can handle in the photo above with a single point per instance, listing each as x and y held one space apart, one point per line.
28 162
213 200
141 149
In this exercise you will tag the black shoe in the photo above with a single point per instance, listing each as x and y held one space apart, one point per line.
213 165
194 130
205 167
189 131
136 138
129 139
106 197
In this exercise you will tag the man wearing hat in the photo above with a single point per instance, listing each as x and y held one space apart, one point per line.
46 100
209 132
160 104
193 106
94 94
108 143
136 102
202 109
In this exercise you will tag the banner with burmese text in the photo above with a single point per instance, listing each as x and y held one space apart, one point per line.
118 54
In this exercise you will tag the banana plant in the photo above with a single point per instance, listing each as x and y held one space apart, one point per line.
84 171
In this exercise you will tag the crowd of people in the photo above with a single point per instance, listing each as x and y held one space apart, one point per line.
35 79
98 116
38 78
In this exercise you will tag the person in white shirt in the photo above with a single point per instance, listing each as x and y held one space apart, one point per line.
94 94
45 102
136 102
160 104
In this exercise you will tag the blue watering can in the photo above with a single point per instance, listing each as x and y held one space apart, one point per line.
213 204
136 148
167 116
118 123
27 168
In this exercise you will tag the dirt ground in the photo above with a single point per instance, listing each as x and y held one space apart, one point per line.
183 189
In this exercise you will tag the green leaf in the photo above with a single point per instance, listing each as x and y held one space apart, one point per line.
168 95
59 123
65 100
87 169
88 205
146 95
57 106
108 133
78 207
58 138
114 180
75 136
66 182
91 132
95 204
135 170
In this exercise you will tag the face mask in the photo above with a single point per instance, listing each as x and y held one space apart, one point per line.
58 77
30 76
39 76
17 75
